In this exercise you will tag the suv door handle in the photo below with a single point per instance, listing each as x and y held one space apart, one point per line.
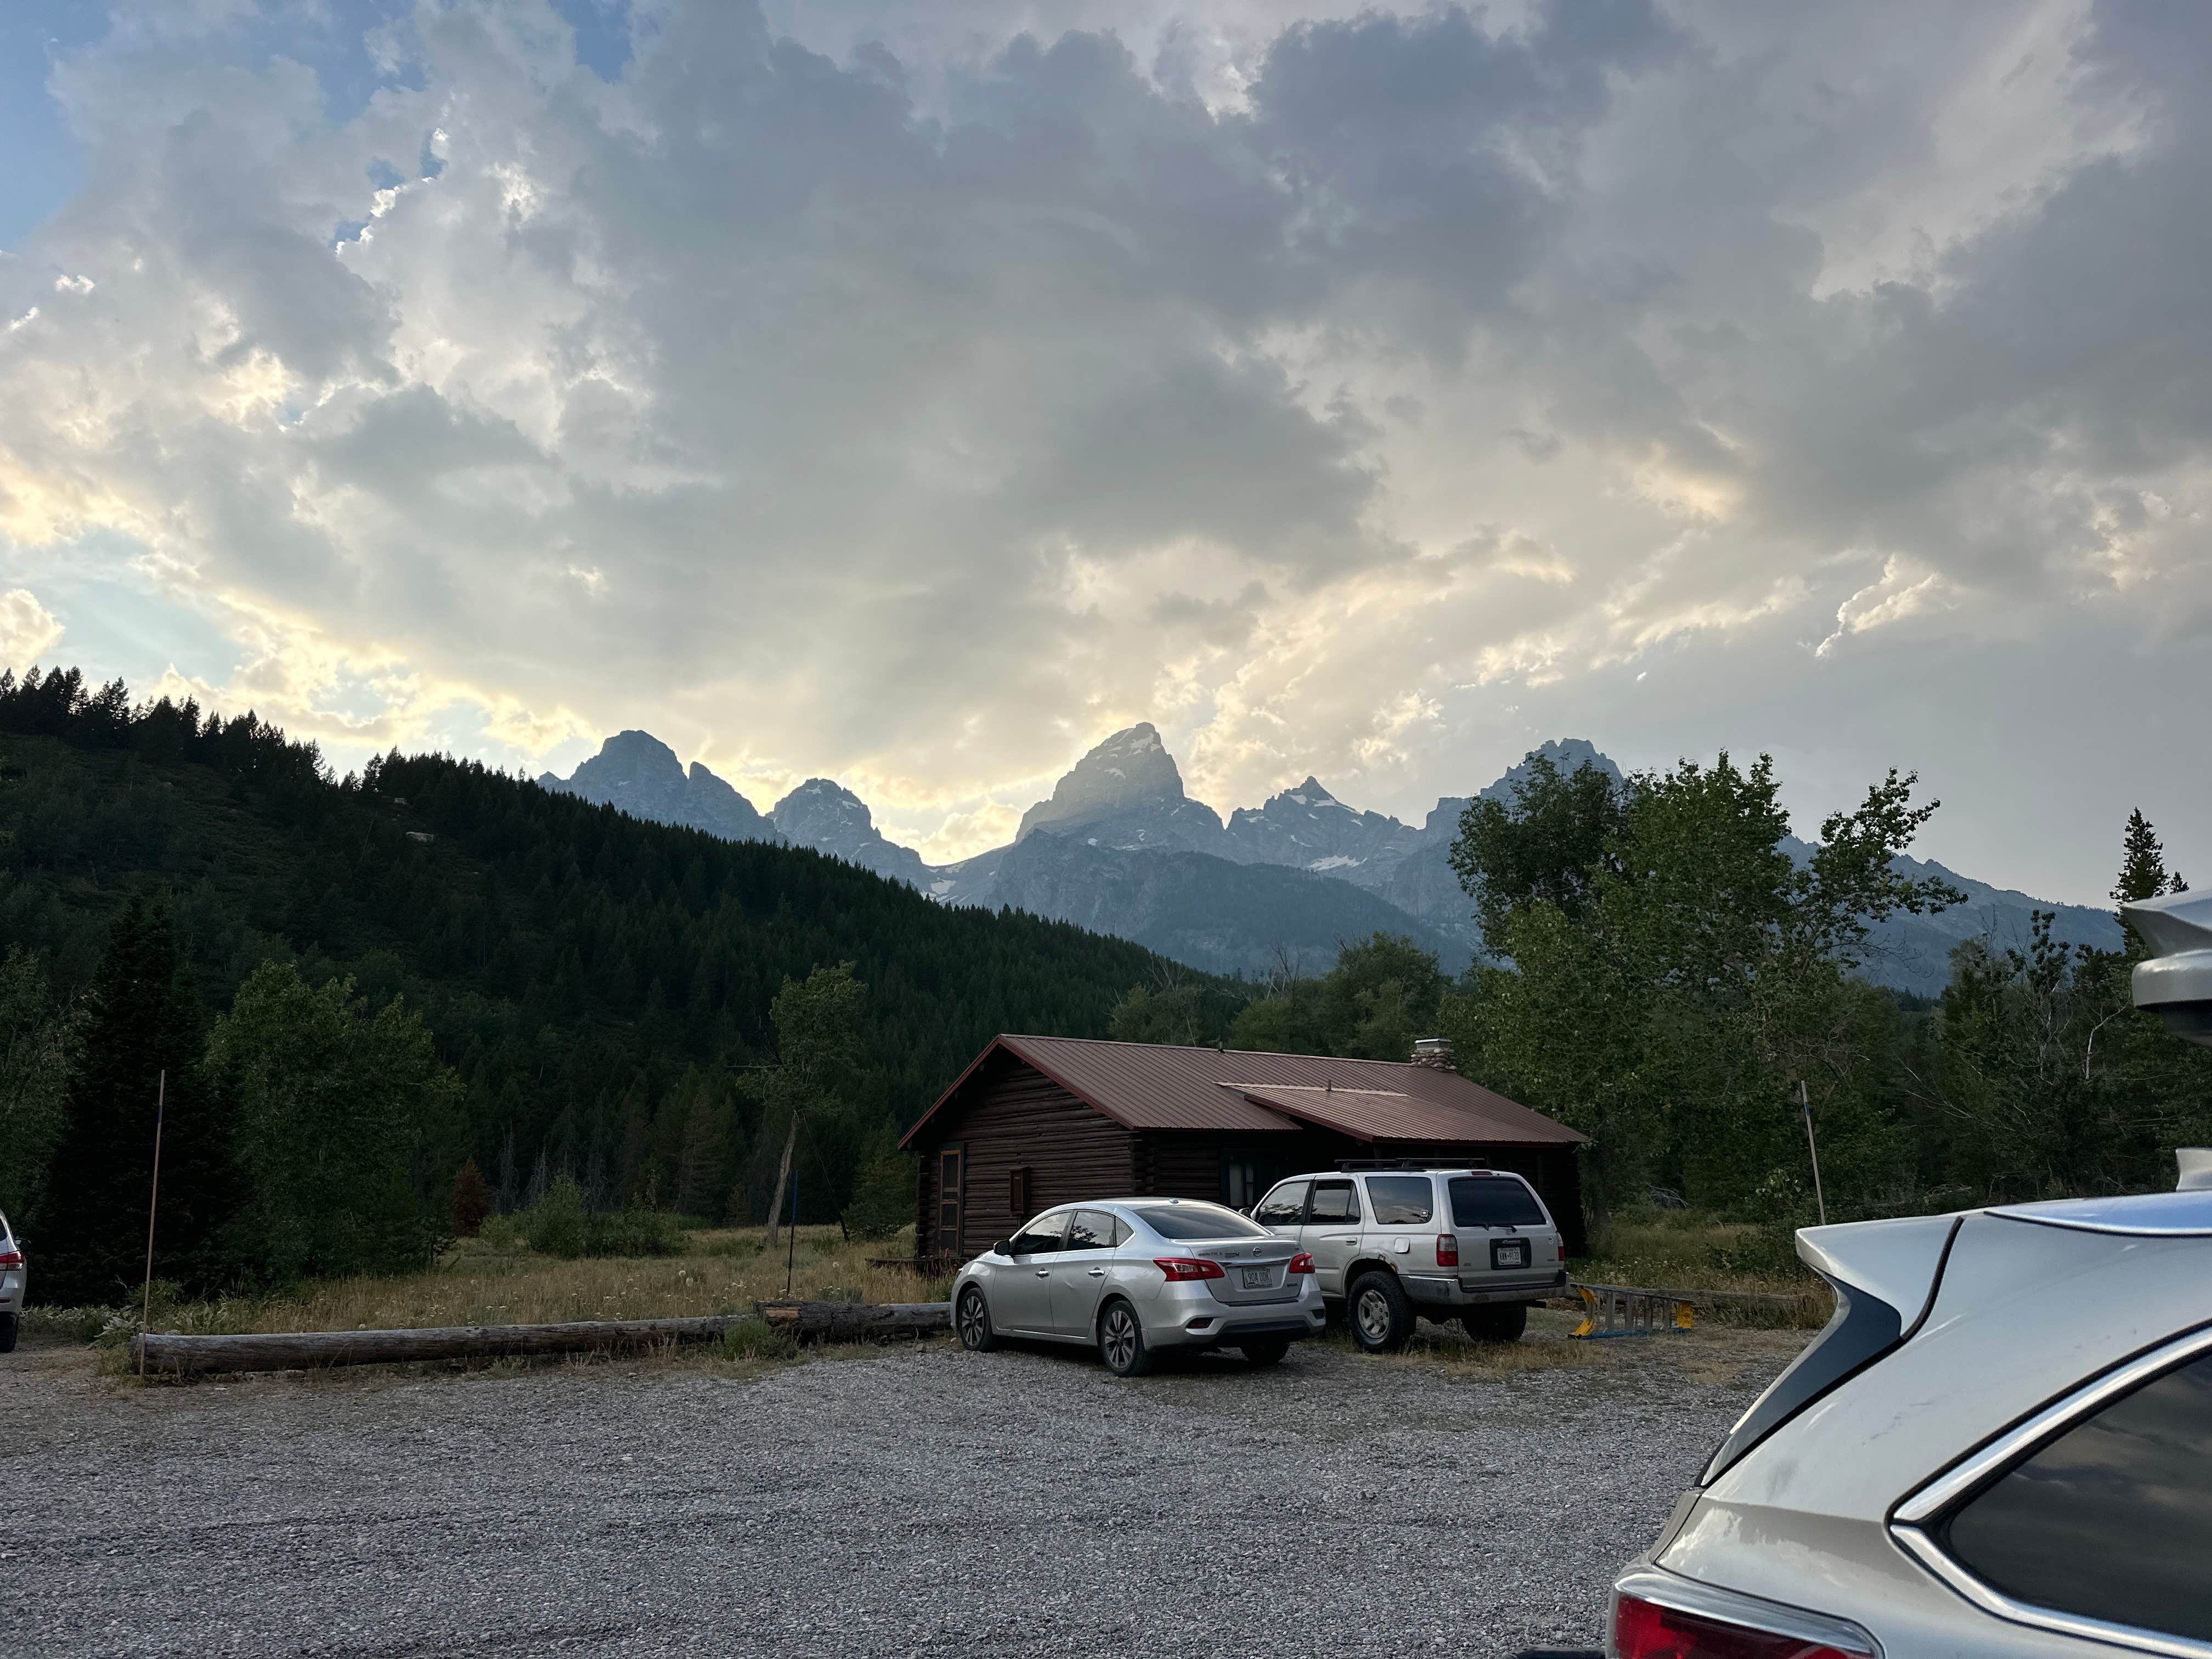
1354 1239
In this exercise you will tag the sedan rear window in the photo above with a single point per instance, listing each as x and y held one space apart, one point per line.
2112 1520
1199 1221
1401 1200
1493 1201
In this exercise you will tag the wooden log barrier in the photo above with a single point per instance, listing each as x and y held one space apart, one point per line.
170 1355
856 1321
285 1351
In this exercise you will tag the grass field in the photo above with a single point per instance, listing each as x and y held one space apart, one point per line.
1687 1249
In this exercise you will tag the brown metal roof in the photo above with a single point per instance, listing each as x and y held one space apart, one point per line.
1146 1086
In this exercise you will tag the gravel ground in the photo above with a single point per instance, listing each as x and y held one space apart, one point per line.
911 1501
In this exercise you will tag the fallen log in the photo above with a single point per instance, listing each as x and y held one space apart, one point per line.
172 1355
856 1321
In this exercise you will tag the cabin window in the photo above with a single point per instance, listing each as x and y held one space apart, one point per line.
1020 1189
951 1166
1240 1181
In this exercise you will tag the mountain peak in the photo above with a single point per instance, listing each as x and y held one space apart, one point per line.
1131 769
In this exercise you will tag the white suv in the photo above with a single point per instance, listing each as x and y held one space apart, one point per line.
1395 1243
12 1275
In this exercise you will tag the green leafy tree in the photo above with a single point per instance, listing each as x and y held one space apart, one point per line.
139 1023
341 1109
883 1197
817 1027
1696 969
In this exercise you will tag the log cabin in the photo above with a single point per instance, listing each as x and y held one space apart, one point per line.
1037 1120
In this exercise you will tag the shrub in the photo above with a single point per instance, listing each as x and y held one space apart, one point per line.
560 1224
883 1197
633 1232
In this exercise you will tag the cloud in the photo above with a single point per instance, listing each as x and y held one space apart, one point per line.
907 394
27 630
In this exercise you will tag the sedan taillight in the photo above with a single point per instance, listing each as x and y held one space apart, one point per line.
1180 1267
1644 1630
1300 1263
1447 1250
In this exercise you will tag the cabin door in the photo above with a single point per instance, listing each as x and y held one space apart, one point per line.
950 1166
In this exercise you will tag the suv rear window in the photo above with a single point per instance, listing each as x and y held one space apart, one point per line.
1401 1200
1493 1201
2050 1532
1200 1221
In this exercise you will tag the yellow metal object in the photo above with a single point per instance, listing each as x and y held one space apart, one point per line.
1608 1310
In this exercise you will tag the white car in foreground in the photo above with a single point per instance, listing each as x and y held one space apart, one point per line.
2001 1445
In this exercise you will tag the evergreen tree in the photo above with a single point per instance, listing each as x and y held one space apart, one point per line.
472 1200
139 1023
34 1065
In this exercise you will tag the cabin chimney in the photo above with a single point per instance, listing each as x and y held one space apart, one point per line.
1435 1053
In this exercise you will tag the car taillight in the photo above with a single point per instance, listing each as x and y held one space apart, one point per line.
1447 1250
11 1258
1300 1263
1180 1267
1644 1630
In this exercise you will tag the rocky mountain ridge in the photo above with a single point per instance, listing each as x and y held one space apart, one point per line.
1121 848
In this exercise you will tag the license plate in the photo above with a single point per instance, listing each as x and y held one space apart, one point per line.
1258 1279
1509 1253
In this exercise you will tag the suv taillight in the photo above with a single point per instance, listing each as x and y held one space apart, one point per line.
1180 1267
1644 1630
1447 1250
11 1258
1300 1263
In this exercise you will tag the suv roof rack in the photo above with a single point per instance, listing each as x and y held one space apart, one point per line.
1349 1164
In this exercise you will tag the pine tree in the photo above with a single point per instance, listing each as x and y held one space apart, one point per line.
472 1199
140 1023
2142 867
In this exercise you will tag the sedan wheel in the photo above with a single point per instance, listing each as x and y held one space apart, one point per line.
974 1322
1381 1318
1266 1353
1122 1341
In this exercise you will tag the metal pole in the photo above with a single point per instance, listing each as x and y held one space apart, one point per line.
1805 1104
152 1198
790 1238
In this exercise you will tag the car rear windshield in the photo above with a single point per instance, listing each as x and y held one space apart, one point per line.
1199 1221
1493 1201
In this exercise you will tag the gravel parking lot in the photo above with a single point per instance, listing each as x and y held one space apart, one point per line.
909 1501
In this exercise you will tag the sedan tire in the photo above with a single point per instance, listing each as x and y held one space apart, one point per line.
1265 1353
1497 1322
974 1322
1122 1341
1378 1312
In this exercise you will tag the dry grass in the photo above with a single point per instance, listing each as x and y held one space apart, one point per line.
1447 1348
1684 1249
722 1272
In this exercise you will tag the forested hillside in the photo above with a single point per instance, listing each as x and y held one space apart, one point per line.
601 985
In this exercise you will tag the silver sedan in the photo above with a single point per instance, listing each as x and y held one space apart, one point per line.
1135 1276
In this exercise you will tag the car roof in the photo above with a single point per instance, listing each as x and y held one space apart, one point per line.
1426 1168
2143 1215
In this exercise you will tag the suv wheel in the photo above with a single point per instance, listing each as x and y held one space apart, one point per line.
1497 1322
1377 1309
974 1322
1122 1341
8 1325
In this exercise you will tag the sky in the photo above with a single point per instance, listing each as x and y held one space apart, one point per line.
912 395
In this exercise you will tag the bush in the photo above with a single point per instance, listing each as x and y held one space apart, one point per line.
502 1232
560 1224
633 1232
883 1197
